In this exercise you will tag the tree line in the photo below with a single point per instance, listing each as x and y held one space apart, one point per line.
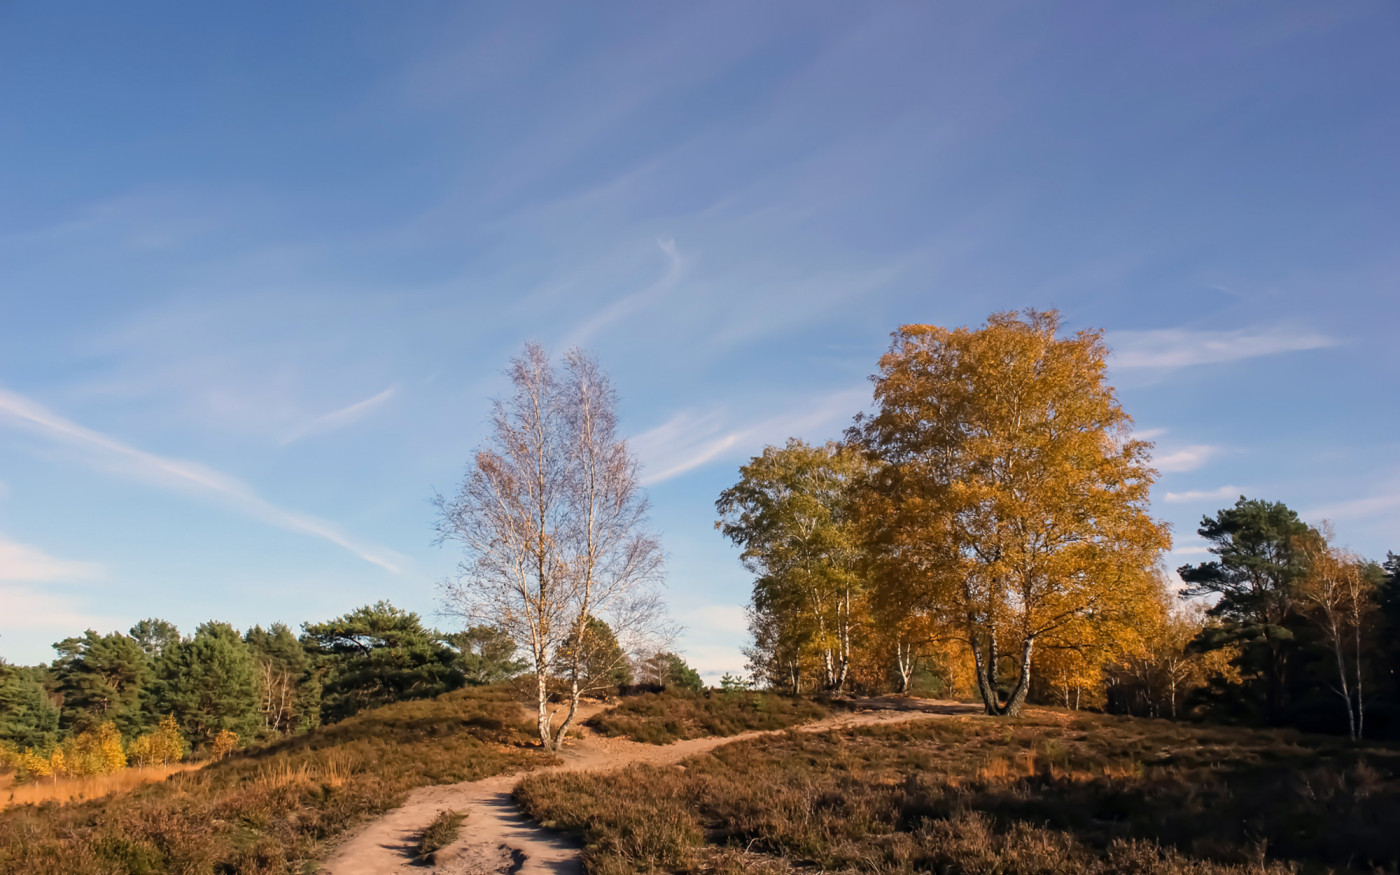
246 686
152 695
985 530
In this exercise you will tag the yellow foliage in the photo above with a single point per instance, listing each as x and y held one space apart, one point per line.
30 764
95 752
57 766
1014 502
223 744
162 747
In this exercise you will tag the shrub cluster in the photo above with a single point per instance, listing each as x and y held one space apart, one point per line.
674 715
271 810
1044 794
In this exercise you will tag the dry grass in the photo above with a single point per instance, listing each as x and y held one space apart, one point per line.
675 715
437 835
1043 795
274 810
81 789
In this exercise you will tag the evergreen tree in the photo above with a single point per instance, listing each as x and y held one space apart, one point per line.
670 671
485 654
601 662
154 635
290 690
28 718
375 655
1259 565
101 678
210 683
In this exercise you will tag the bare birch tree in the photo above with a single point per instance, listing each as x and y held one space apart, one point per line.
1338 588
553 523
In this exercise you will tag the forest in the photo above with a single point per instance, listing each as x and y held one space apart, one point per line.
985 531
153 696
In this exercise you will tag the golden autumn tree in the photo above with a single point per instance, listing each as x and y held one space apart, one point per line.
1012 498
794 515
1341 594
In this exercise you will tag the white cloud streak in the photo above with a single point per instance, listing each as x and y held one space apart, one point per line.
1221 494
179 474
342 417
1182 347
1360 507
29 609
1185 459
626 306
21 562
688 440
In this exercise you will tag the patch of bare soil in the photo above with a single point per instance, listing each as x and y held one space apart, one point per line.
496 838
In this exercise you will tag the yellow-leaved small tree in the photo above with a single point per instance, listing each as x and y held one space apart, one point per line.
223 744
1013 501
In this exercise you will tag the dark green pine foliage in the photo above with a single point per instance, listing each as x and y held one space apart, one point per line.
1384 715
670 671
101 678
485 655
154 635
290 690
603 664
1255 576
210 683
28 718
375 655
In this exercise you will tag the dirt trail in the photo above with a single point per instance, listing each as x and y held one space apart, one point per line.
496 838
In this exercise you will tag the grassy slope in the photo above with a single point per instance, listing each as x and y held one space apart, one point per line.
1050 793
273 810
661 718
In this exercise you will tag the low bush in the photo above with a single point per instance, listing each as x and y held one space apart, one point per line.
1048 793
272 810
674 715
437 835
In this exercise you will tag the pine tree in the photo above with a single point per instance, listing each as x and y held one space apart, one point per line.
28 718
209 682
290 690
375 655
101 677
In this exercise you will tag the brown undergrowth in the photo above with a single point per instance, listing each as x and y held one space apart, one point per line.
87 787
676 715
1042 795
274 809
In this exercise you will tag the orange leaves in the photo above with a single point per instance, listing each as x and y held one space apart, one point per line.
1010 486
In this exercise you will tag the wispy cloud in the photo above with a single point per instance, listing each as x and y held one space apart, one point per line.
1360 507
626 306
28 608
103 451
1222 494
342 417
1197 549
1186 459
1183 347
21 562
688 440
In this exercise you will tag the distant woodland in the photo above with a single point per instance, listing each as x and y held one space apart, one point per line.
984 532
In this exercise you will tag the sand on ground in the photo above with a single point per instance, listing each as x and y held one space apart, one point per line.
497 838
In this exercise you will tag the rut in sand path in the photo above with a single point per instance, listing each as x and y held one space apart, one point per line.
497 838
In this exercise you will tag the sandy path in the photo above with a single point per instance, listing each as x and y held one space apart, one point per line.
496 838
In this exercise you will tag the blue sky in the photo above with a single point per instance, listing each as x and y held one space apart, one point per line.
261 264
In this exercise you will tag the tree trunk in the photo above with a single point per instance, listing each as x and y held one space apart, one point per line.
1360 701
568 718
542 691
904 662
1023 684
988 693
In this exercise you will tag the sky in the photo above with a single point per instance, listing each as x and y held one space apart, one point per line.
262 265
